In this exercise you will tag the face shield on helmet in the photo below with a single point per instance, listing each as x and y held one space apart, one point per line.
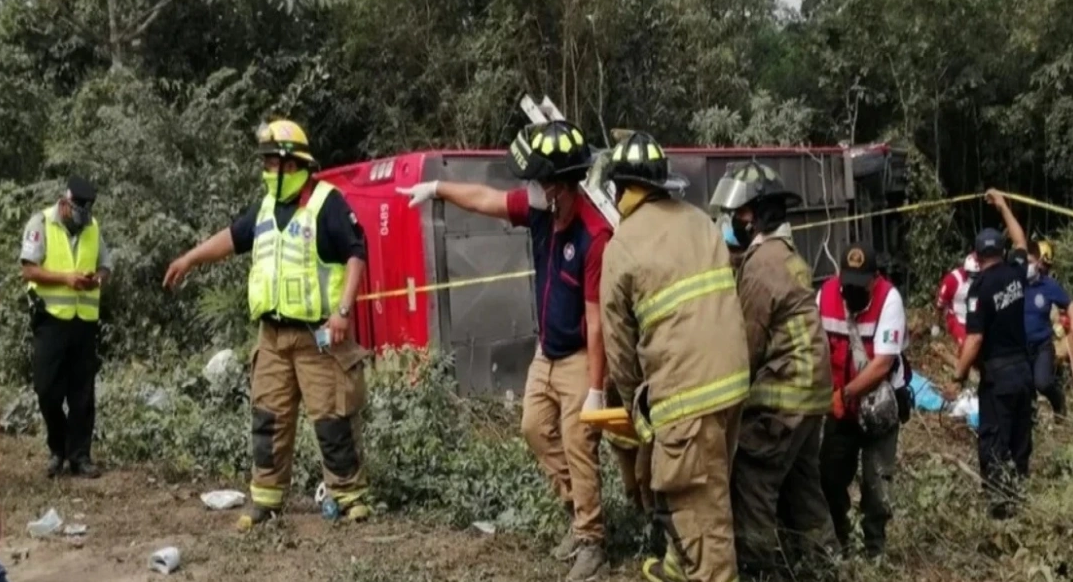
753 198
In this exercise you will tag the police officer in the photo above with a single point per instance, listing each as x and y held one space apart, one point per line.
1042 294
64 262
567 372
308 255
776 473
995 344
676 349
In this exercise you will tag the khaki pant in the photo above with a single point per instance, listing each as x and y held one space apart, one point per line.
566 448
691 463
289 369
776 479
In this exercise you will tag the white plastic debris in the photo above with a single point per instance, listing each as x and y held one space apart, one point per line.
965 405
49 523
223 499
220 366
485 527
321 494
159 399
164 561
75 529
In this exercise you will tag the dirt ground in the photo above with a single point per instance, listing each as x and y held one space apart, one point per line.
130 514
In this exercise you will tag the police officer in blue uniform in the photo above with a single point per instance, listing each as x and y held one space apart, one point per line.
995 344
1043 293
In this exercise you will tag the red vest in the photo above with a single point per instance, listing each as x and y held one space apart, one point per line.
833 318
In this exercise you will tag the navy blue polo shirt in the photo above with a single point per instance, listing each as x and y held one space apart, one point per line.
1040 296
567 262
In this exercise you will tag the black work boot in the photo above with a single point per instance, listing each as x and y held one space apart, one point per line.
55 466
85 468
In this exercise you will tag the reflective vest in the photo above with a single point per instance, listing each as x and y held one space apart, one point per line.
287 275
61 301
833 317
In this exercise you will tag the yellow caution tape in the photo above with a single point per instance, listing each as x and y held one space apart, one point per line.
411 291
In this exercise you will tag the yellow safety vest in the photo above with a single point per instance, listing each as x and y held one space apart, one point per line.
287 275
61 301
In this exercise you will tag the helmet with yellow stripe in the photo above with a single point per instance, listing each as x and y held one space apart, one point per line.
1046 253
283 138
551 152
640 160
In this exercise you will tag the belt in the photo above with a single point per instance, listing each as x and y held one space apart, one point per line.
275 320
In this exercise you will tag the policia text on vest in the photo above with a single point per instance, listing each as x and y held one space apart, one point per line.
64 262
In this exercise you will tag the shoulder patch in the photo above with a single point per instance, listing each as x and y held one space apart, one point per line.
799 270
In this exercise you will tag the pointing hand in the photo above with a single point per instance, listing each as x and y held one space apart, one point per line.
420 193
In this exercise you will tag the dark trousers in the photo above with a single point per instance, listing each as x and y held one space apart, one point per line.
1005 445
781 518
843 444
1043 376
65 367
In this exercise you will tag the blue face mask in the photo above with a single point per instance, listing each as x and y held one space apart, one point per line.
728 235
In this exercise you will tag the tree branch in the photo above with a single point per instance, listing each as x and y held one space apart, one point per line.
147 19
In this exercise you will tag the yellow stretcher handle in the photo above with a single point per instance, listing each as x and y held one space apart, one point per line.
611 419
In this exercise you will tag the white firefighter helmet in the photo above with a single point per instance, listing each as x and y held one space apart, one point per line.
972 266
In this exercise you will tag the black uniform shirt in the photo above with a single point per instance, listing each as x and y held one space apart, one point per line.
996 307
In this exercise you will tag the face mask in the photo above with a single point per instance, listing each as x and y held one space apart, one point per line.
291 186
743 231
728 235
77 218
1033 271
857 298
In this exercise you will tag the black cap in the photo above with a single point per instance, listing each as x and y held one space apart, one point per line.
990 243
81 189
858 267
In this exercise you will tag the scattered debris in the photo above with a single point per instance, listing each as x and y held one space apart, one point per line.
223 499
165 560
78 516
384 539
485 527
221 366
158 399
75 529
19 555
49 523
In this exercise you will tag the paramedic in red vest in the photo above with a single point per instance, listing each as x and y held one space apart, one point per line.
64 261
950 300
567 372
307 253
878 312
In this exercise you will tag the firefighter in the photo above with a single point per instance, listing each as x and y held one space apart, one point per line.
635 463
997 347
307 258
950 298
1042 294
567 373
676 350
776 475
864 317
64 263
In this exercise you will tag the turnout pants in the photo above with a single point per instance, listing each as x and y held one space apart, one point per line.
691 463
843 443
1043 376
289 369
567 449
65 366
1005 443
776 479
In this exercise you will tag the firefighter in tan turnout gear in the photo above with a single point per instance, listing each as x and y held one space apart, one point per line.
308 255
676 349
776 474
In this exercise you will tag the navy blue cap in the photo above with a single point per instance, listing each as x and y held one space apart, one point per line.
81 189
990 243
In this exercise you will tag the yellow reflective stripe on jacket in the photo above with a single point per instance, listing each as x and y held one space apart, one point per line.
697 401
347 498
666 300
61 301
620 441
799 392
270 497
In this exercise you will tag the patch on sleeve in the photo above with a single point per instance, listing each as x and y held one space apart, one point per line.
33 236
799 270
891 336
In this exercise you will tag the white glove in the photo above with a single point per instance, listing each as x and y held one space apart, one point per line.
420 193
935 331
595 401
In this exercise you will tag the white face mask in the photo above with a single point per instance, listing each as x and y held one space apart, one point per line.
1033 272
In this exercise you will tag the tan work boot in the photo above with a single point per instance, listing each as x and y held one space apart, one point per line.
567 548
590 560
258 514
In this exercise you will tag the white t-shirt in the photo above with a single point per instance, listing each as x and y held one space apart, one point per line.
891 336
